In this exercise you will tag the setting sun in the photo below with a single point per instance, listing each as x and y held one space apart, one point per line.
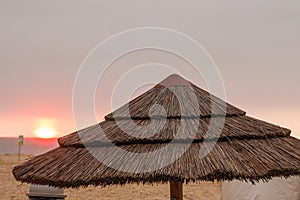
45 132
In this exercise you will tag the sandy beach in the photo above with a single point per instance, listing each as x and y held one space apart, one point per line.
13 190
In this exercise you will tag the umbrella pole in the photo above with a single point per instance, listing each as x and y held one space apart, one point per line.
176 191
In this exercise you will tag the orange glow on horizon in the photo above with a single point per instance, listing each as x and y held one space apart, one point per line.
45 132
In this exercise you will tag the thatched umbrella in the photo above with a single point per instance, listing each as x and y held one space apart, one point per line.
246 148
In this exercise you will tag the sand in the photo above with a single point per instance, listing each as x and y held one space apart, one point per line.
12 190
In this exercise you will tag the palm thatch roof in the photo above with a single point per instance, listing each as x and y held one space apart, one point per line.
246 148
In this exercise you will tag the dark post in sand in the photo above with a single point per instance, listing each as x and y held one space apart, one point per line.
21 141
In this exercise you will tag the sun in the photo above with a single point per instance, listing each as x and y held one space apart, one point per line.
45 132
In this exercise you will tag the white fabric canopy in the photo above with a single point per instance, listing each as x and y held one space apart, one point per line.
275 189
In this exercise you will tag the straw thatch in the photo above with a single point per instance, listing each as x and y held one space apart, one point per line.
246 149
164 94
239 127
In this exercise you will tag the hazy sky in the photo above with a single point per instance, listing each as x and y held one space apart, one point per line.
255 44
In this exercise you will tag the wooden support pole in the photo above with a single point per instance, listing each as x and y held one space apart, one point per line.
176 191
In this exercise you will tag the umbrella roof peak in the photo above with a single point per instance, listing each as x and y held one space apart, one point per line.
174 80
174 94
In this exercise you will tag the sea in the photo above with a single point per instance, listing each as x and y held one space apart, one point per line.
32 146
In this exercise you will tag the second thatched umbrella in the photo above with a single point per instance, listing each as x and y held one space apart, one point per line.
244 148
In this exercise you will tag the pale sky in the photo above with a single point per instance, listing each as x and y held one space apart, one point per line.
255 45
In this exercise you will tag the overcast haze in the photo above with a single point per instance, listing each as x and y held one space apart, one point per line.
255 44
